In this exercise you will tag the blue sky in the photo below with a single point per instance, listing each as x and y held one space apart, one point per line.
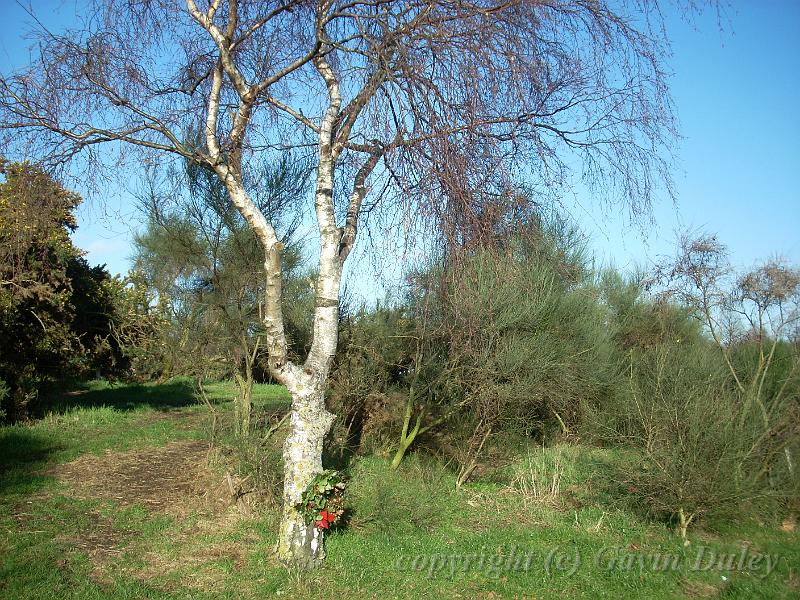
736 92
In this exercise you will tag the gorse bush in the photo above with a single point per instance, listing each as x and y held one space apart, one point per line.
369 377
781 379
486 341
636 325
706 448
686 428
511 339
525 361
56 311
522 341
3 394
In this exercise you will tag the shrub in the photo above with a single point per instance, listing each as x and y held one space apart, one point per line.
704 451
3 394
516 341
636 326
529 348
369 376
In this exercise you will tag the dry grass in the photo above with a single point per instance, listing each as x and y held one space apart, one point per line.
173 480
539 478
193 564
101 541
789 524
162 479
694 588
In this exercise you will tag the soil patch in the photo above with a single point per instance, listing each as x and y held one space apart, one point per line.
172 480
168 479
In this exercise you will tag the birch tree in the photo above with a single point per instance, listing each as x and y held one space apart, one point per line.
422 111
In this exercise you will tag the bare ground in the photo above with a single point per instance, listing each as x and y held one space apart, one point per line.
163 479
172 480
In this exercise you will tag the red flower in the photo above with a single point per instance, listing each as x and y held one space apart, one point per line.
321 524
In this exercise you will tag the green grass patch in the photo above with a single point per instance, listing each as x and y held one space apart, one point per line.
545 526
265 395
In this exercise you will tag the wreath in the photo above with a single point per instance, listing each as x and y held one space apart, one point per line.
322 502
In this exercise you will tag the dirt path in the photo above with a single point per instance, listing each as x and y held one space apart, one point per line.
172 480
163 479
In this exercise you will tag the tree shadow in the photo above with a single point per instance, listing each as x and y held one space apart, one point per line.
165 397
26 451
22 455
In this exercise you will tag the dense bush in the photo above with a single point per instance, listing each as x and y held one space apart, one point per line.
491 340
56 311
521 340
637 325
370 377
704 447
529 345
781 379
3 394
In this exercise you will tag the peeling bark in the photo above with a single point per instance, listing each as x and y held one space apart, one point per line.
301 544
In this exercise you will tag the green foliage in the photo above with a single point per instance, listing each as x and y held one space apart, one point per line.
36 218
638 321
322 502
372 366
55 310
3 394
782 378
96 306
513 342
198 261
487 341
139 325
702 448
520 339
637 324
687 426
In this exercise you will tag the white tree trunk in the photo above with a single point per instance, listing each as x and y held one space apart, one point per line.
301 544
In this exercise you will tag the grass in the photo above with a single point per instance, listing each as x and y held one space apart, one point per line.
545 528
